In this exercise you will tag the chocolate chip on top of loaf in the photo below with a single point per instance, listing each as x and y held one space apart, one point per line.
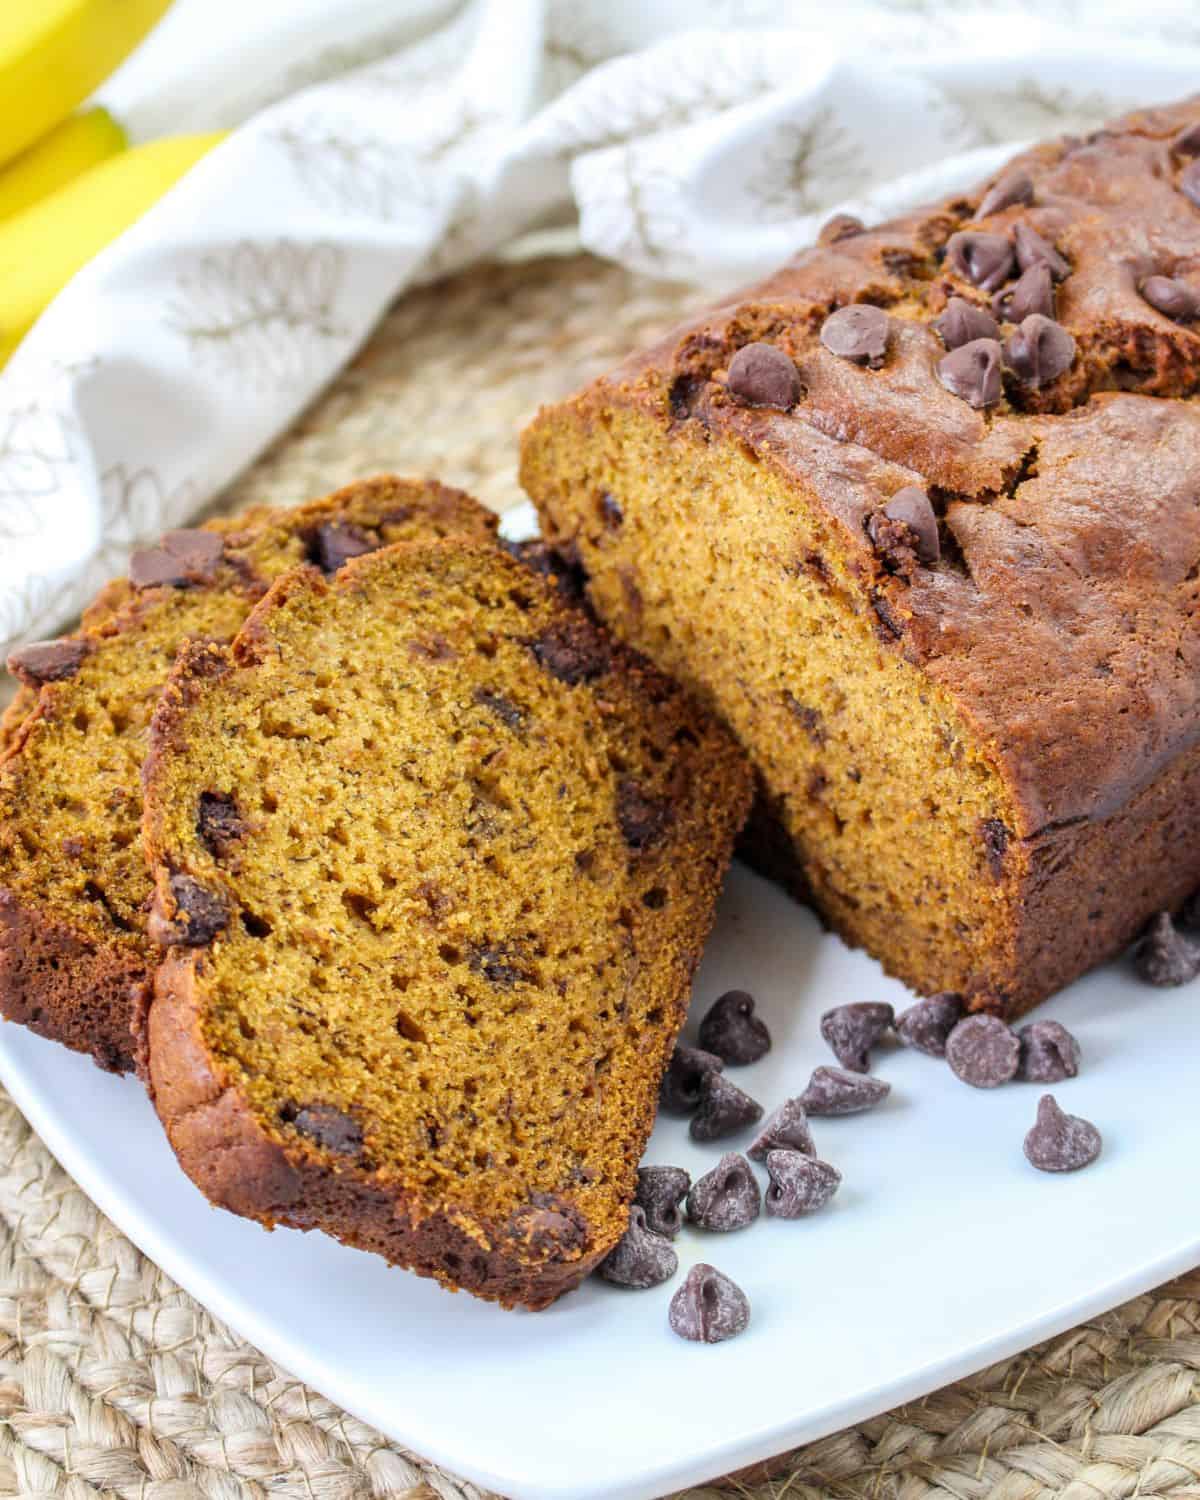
428 964
941 579
73 885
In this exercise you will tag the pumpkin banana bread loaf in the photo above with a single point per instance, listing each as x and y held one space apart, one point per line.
73 883
917 515
434 863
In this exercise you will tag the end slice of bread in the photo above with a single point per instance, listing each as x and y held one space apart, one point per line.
434 863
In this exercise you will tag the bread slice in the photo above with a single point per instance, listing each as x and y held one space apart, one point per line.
434 861
73 885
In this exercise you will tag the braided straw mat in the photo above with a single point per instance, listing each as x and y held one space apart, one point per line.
114 1382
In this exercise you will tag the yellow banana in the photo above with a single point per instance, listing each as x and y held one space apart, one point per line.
80 142
42 248
55 53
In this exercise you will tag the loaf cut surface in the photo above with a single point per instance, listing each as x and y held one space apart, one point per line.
73 883
434 862
936 567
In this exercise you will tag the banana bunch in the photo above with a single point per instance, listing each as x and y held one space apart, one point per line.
69 181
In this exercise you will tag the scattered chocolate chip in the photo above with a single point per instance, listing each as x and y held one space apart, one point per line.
642 818
839 227
906 527
46 661
495 962
640 1258
219 823
684 395
963 323
972 372
724 1109
726 1198
1049 1053
858 332
181 557
1187 142
762 375
1174 299
983 1052
1164 956
996 839
572 650
679 1093
559 568
1039 351
611 512
549 1226
1032 292
1060 1142
660 1191
810 719
928 1023
336 543
200 915
1014 187
834 1091
1033 250
732 1030
503 708
985 260
1189 183
708 1307
786 1129
852 1030
328 1126
799 1184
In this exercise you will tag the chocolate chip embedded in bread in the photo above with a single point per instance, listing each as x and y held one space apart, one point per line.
641 817
336 543
724 1109
495 963
1032 292
219 823
1033 250
962 322
572 650
996 839
839 227
200 914
985 260
852 1030
503 708
326 1125
1189 183
548 1227
858 332
1165 956
732 1031
46 661
800 1185
785 1130
660 1190
972 372
708 1307
727 1198
1174 299
181 557
1060 1142
1049 1053
1013 187
641 1258
927 1024
983 1052
1039 351
836 1091
762 375
679 1093
610 511
906 527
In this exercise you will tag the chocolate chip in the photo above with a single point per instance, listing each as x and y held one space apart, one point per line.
660 1191
1189 183
834 1091
640 1258
928 1023
1014 187
1060 1142
852 1030
1039 351
983 1052
1033 250
219 823
46 661
1049 1053
495 962
858 332
963 322
181 557
612 514
679 1093
708 1307
996 839
1032 292
906 528
200 915
549 1226
839 227
503 708
799 1184
786 1129
1187 142
684 395
985 260
972 372
726 1198
1164 956
328 1126
641 817
762 375
732 1030
724 1109
1174 299
566 572
336 543
572 650
811 720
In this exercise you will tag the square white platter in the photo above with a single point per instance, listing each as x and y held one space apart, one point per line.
942 1252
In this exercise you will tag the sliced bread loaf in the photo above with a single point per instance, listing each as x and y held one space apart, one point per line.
434 861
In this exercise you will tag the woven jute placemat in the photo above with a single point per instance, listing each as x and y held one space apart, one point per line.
114 1382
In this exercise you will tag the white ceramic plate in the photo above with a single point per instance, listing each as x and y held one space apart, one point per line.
943 1251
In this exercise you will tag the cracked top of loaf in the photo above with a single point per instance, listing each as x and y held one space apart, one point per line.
1062 611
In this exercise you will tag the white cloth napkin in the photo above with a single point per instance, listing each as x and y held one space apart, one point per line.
687 139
